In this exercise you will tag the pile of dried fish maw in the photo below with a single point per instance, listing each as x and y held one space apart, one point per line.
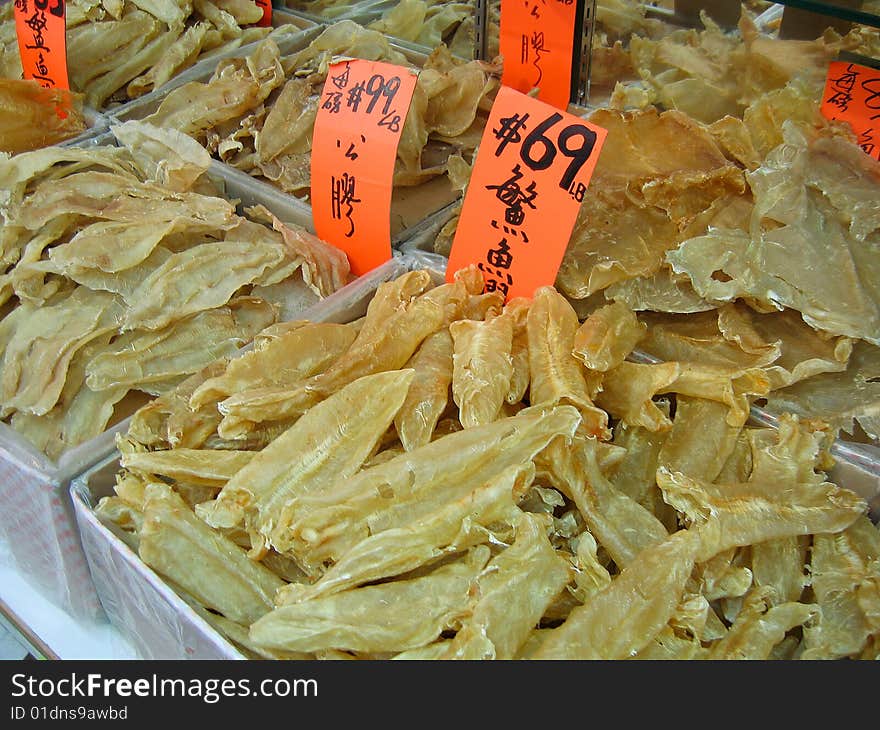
32 116
119 50
257 113
746 235
464 479
124 272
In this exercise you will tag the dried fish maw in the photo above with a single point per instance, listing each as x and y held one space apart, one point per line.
728 515
482 367
29 116
518 309
234 89
765 115
393 616
839 399
613 240
454 526
184 347
428 396
845 575
721 577
795 224
590 576
331 441
38 355
622 619
200 278
402 488
634 474
168 421
513 593
628 390
381 345
325 267
175 543
701 440
197 466
723 337
729 386
761 625
779 564
661 292
607 336
610 515
289 123
556 376
281 362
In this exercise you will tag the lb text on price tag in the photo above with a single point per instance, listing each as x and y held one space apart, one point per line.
42 41
266 20
354 146
852 94
530 177
536 39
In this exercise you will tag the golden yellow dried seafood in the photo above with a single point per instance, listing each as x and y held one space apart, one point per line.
173 539
393 616
30 117
607 336
555 374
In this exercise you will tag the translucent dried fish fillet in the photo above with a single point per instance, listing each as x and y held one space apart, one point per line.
397 491
759 626
622 619
620 524
845 575
173 540
607 336
197 279
52 335
514 591
628 390
330 442
482 367
556 376
394 616
428 395
284 361
452 527
779 564
182 348
199 466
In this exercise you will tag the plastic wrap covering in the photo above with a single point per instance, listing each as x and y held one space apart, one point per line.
36 517
136 600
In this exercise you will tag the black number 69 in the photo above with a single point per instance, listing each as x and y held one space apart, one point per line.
538 142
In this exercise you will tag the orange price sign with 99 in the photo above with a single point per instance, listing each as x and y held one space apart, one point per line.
530 176
852 94
42 42
364 105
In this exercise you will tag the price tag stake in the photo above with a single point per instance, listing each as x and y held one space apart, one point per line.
530 177
363 108
852 94
42 45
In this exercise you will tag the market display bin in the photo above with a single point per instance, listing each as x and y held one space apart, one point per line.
138 601
159 619
36 516
409 205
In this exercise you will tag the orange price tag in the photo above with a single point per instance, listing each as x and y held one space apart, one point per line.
536 39
354 147
42 41
852 94
527 185
266 20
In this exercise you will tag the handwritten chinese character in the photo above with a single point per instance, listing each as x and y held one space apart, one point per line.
866 141
340 81
538 48
333 102
842 89
343 194
496 280
57 10
501 256
511 193
511 231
